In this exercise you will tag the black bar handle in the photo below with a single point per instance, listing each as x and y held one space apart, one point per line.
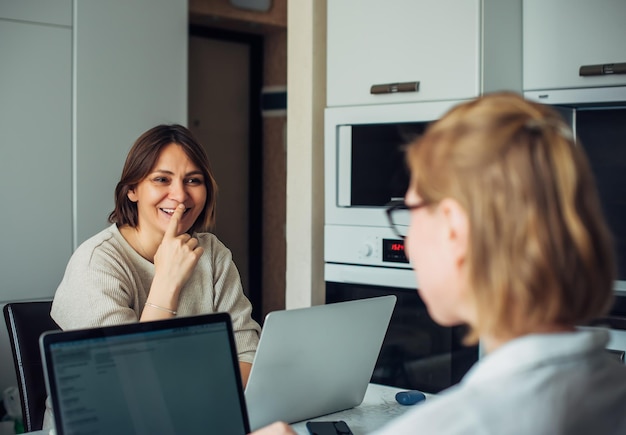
602 69
390 88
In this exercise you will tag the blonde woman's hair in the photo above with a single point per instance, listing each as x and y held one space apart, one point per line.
540 252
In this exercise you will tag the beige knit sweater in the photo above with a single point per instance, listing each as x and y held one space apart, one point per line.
107 282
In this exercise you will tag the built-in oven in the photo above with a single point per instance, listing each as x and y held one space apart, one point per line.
416 353
598 119
365 172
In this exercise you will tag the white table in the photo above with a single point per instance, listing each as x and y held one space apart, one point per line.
378 408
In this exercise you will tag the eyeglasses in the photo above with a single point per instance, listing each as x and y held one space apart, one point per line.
400 226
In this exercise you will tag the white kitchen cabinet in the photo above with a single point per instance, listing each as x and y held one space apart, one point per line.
35 158
80 80
73 100
455 49
131 74
57 12
560 36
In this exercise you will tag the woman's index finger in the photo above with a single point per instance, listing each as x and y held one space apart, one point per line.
172 228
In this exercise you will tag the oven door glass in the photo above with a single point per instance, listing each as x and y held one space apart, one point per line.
602 132
416 353
378 171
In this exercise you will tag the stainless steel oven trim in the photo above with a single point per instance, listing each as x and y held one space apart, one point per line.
344 160
359 245
367 275
584 96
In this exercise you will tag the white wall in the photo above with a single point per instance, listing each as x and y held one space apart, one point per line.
306 78
86 77
130 73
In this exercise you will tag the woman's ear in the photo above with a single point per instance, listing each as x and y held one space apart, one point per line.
132 195
457 228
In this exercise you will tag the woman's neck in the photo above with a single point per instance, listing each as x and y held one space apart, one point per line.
491 342
143 247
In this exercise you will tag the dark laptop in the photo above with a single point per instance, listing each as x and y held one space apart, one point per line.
177 376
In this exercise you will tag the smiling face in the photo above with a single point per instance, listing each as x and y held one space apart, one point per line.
174 179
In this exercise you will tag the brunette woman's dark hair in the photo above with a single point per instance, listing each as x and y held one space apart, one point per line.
141 160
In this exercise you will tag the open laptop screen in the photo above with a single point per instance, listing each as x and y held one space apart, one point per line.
177 376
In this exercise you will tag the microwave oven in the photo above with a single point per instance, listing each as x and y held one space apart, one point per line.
364 158
365 172
598 120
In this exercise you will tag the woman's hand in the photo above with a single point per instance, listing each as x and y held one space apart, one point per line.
174 261
177 255
278 428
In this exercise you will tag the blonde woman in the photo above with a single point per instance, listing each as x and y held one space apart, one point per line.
507 236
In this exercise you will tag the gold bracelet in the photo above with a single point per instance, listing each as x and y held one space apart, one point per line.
172 312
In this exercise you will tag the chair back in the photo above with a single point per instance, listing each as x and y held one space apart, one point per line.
26 321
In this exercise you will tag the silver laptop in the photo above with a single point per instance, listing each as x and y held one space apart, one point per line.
317 360
177 376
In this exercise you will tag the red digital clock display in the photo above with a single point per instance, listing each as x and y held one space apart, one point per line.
393 251
397 246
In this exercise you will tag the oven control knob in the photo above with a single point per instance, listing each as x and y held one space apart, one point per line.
366 250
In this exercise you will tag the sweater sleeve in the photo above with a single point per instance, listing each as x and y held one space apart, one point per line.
96 290
229 297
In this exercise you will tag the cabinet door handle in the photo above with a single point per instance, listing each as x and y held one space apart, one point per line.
602 69
390 88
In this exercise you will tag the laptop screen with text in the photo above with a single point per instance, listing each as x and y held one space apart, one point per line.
174 376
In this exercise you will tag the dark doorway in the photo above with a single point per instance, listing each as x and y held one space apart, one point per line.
225 79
